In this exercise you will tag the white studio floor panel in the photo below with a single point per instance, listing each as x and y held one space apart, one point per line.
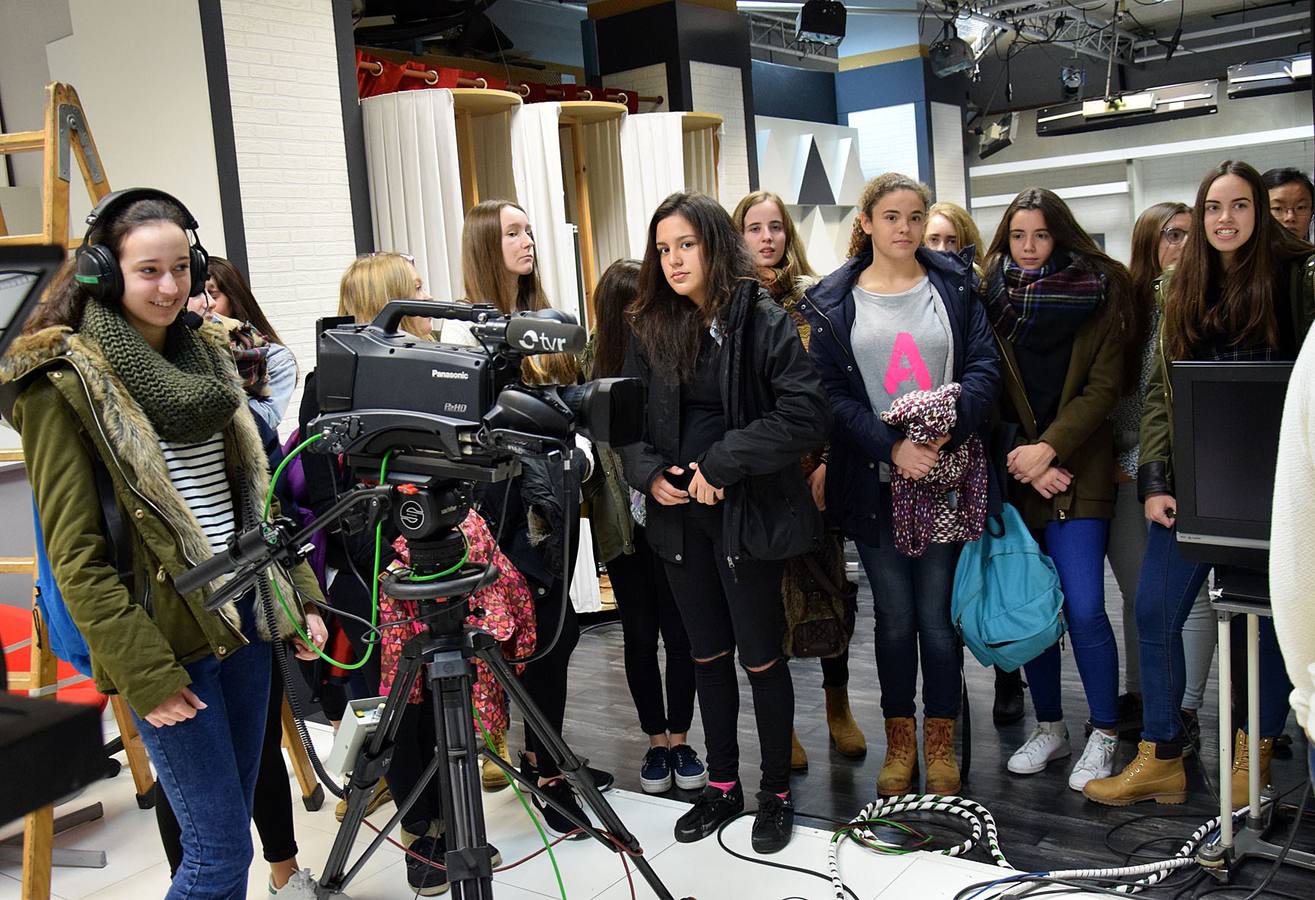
136 867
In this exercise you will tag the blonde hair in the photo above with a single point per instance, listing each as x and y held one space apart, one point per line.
371 281
794 264
487 279
965 229
873 191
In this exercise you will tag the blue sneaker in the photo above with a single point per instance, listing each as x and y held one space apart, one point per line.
655 771
691 773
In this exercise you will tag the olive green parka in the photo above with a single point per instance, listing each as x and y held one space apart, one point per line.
70 407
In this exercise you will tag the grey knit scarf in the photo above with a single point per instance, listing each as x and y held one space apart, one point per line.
185 393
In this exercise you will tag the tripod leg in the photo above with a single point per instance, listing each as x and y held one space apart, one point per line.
573 769
469 859
370 766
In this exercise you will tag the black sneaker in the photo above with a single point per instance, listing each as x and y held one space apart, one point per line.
773 826
425 879
1008 706
1129 725
602 780
713 807
556 823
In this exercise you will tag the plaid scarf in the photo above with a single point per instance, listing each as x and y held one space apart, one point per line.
1042 309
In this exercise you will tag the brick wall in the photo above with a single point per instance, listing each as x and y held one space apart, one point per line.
648 81
292 168
720 89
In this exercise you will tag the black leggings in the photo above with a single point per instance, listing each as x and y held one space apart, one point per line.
738 610
272 811
545 680
644 600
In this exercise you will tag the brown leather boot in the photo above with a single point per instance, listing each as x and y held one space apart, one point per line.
845 734
1145 778
897 772
1242 768
938 752
798 758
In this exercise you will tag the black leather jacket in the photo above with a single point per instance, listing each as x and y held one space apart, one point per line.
776 411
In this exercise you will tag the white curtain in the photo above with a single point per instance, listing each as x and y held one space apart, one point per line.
415 183
652 160
492 139
703 166
602 143
536 158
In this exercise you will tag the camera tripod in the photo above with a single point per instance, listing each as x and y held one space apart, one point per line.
446 652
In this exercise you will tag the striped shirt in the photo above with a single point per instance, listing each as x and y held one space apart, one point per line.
198 473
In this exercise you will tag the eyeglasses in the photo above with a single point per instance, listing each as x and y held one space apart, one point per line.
1281 211
1173 236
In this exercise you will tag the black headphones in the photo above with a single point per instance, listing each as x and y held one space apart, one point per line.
98 270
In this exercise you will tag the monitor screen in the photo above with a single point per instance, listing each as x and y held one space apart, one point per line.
24 274
1226 425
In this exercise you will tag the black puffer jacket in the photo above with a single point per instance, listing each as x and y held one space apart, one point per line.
776 411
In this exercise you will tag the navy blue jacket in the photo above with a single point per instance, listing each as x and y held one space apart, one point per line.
859 439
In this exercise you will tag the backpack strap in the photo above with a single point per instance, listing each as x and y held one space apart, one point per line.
116 530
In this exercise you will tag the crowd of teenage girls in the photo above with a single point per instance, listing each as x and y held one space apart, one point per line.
785 414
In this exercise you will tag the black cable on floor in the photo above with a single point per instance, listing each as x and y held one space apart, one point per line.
721 841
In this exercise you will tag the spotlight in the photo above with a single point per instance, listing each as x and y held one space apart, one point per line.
821 22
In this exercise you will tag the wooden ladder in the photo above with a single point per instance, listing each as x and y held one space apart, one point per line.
65 135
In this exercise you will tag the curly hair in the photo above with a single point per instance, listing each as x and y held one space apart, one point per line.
873 191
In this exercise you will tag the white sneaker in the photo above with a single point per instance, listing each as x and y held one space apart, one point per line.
1049 741
301 886
1097 761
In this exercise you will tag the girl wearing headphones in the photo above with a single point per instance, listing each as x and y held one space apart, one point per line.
733 404
1060 309
499 267
1244 289
110 383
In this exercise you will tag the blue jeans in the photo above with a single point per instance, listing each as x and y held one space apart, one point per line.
1165 594
1077 547
208 766
911 600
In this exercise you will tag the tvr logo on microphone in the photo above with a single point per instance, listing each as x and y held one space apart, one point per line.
532 340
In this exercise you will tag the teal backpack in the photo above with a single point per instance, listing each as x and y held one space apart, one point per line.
1007 603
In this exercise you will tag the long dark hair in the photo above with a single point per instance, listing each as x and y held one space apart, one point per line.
669 326
1204 300
1073 241
615 291
65 299
242 302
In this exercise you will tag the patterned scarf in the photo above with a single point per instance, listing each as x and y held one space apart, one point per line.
186 392
949 504
1042 308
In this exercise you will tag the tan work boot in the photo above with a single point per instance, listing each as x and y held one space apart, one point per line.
1241 767
845 734
491 778
938 751
379 798
798 758
1145 778
897 772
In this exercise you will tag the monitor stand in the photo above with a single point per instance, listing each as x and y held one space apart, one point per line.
1239 591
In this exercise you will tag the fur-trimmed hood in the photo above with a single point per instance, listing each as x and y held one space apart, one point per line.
132 440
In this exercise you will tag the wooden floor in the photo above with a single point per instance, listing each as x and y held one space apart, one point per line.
1043 824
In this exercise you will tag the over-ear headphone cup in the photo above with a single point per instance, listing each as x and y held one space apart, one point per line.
98 273
199 264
